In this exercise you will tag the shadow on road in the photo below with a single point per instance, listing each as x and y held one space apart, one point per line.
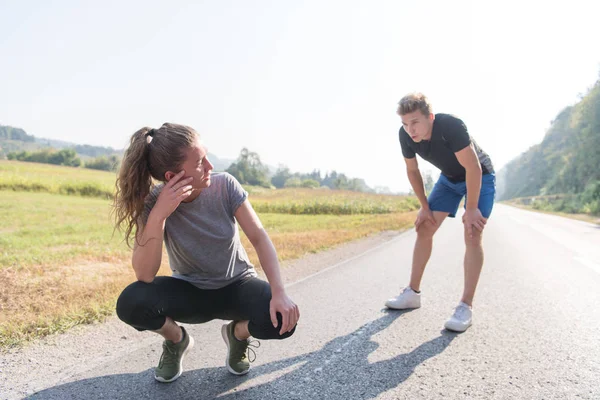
339 370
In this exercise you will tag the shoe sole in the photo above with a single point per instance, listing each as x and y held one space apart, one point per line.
163 380
226 339
401 308
458 330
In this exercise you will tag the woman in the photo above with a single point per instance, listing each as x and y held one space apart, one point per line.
195 213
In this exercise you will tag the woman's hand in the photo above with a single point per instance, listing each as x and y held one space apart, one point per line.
290 314
172 194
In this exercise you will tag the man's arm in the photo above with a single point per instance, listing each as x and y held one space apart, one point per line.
472 218
458 138
468 159
416 180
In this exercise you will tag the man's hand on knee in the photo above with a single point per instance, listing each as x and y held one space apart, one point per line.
473 220
424 215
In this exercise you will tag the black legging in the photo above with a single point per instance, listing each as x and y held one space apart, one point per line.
145 306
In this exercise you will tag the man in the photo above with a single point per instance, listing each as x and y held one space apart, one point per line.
444 141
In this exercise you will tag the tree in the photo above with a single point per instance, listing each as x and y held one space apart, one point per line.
358 185
281 176
330 179
315 175
310 183
48 156
65 157
293 182
248 169
567 159
341 182
428 182
103 163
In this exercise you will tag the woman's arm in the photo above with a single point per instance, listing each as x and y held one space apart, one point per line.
280 302
147 249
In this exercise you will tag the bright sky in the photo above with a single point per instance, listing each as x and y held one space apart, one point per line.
308 84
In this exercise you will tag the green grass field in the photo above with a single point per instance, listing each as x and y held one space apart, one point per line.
33 177
61 265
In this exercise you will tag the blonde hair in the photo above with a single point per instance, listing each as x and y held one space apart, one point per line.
151 153
413 102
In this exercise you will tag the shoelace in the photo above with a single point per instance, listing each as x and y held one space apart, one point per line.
248 351
256 345
168 357
461 312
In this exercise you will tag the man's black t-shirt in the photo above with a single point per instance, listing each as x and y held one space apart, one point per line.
449 135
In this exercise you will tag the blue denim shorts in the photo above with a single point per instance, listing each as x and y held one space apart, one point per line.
446 196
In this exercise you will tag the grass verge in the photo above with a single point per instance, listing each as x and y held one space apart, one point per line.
60 266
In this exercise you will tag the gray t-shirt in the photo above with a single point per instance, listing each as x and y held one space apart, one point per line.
202 238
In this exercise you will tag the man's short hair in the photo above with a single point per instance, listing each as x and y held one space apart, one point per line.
413 102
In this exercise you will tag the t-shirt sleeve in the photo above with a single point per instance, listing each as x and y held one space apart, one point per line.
456 134
236 195
407 152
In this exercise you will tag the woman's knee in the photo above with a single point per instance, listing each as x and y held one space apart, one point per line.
263 328
288 334
260 325
134 300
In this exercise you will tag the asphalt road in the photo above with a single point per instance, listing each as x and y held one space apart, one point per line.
536 330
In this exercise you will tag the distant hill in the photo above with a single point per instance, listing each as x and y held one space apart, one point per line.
219 164
17 134
80 149
567 161
16 139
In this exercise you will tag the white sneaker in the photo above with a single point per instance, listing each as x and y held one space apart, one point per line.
461 319
407 298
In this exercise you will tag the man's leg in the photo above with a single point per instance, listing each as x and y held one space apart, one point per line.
473 245
423 248
443 201
462 317
473 264
410 296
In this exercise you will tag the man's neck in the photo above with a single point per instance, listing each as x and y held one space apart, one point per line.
428 136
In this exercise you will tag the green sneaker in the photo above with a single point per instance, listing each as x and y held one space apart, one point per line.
170 364
237 361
